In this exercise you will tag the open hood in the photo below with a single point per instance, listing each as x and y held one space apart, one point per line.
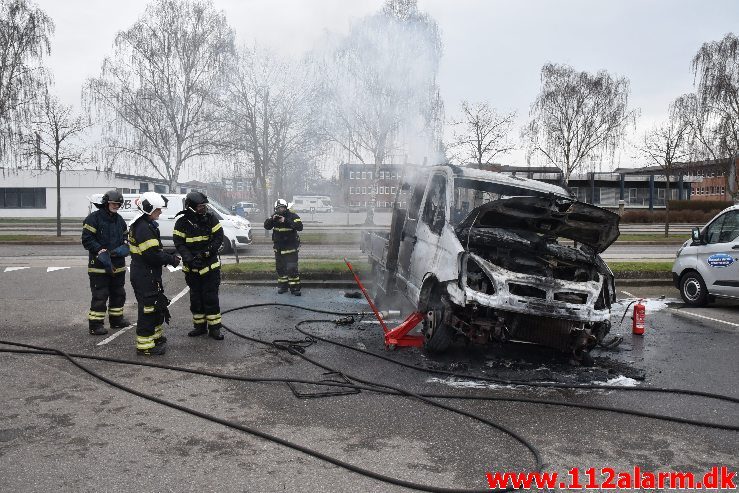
551 216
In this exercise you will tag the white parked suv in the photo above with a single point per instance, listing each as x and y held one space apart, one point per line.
707 265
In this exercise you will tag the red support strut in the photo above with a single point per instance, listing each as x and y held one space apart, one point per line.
399 335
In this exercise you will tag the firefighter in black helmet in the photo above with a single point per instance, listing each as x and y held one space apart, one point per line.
104 237
285 225
198 236
147 259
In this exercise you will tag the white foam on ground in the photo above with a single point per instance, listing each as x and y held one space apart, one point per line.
651 305
468 384
622 381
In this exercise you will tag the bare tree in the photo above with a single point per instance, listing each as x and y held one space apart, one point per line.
271 118
24 41
578 116
380 87
55 130
162 88
716 67
481 133
667 144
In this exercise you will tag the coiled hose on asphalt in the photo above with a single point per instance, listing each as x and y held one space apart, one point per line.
296 348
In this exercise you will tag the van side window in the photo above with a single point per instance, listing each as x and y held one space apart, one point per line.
434 211
713 231
730 227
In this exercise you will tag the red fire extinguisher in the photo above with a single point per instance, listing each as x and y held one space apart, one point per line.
637 325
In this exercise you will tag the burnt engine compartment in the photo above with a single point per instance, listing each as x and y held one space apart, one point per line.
527 252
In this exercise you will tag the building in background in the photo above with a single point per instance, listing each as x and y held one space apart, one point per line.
356 183
32 193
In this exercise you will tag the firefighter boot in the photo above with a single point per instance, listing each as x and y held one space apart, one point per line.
119 323
199 330
281 289
98 330
295 292
215 334
157 350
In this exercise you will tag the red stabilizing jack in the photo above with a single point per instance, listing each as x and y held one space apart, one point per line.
399 335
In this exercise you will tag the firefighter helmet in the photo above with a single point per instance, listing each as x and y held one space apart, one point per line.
112 196
151 201
280 203
194 199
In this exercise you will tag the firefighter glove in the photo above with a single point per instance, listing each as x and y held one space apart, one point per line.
121 251
104 258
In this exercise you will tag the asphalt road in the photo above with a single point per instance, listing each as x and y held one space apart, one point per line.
63 430
36 255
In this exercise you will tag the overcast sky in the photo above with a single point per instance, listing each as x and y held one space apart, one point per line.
493 50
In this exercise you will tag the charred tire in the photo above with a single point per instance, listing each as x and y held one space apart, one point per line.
693 289
437 335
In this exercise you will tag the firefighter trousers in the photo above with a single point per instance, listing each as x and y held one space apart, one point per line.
204 303
288 275
108 293
152 314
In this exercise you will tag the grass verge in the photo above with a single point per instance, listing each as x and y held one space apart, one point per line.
39 239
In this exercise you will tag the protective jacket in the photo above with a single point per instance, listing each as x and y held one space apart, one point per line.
198 237
147 255
285 234
103 230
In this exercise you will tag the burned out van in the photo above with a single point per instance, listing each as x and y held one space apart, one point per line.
488 256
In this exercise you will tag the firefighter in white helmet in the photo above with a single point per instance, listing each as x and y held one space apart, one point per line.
147 260
285 225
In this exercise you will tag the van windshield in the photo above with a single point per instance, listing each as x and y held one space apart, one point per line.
469 194
218 207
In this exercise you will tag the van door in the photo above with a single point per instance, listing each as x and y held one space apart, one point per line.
428 233
408 234
168 217
718 258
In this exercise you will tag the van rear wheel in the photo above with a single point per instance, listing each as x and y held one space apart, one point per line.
693 289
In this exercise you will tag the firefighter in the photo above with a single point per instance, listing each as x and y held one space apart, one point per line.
104 237
198 236
147 260
285 225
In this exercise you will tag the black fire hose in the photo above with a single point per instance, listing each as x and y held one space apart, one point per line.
297 348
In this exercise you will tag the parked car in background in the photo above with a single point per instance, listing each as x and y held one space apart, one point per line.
707 265
247 209
312 203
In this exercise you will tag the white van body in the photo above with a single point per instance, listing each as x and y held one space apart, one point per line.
236 229
709 266
312 203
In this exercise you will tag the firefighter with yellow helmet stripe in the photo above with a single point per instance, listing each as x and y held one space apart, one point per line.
147 260
285 225
104 237
198 235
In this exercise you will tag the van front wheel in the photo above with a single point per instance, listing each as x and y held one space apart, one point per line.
693 289
225 246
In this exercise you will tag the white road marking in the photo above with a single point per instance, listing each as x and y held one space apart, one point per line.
113 336
11 269
52 269
179 295
628 294
683 312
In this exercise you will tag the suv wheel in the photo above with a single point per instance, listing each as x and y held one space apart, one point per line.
693 289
